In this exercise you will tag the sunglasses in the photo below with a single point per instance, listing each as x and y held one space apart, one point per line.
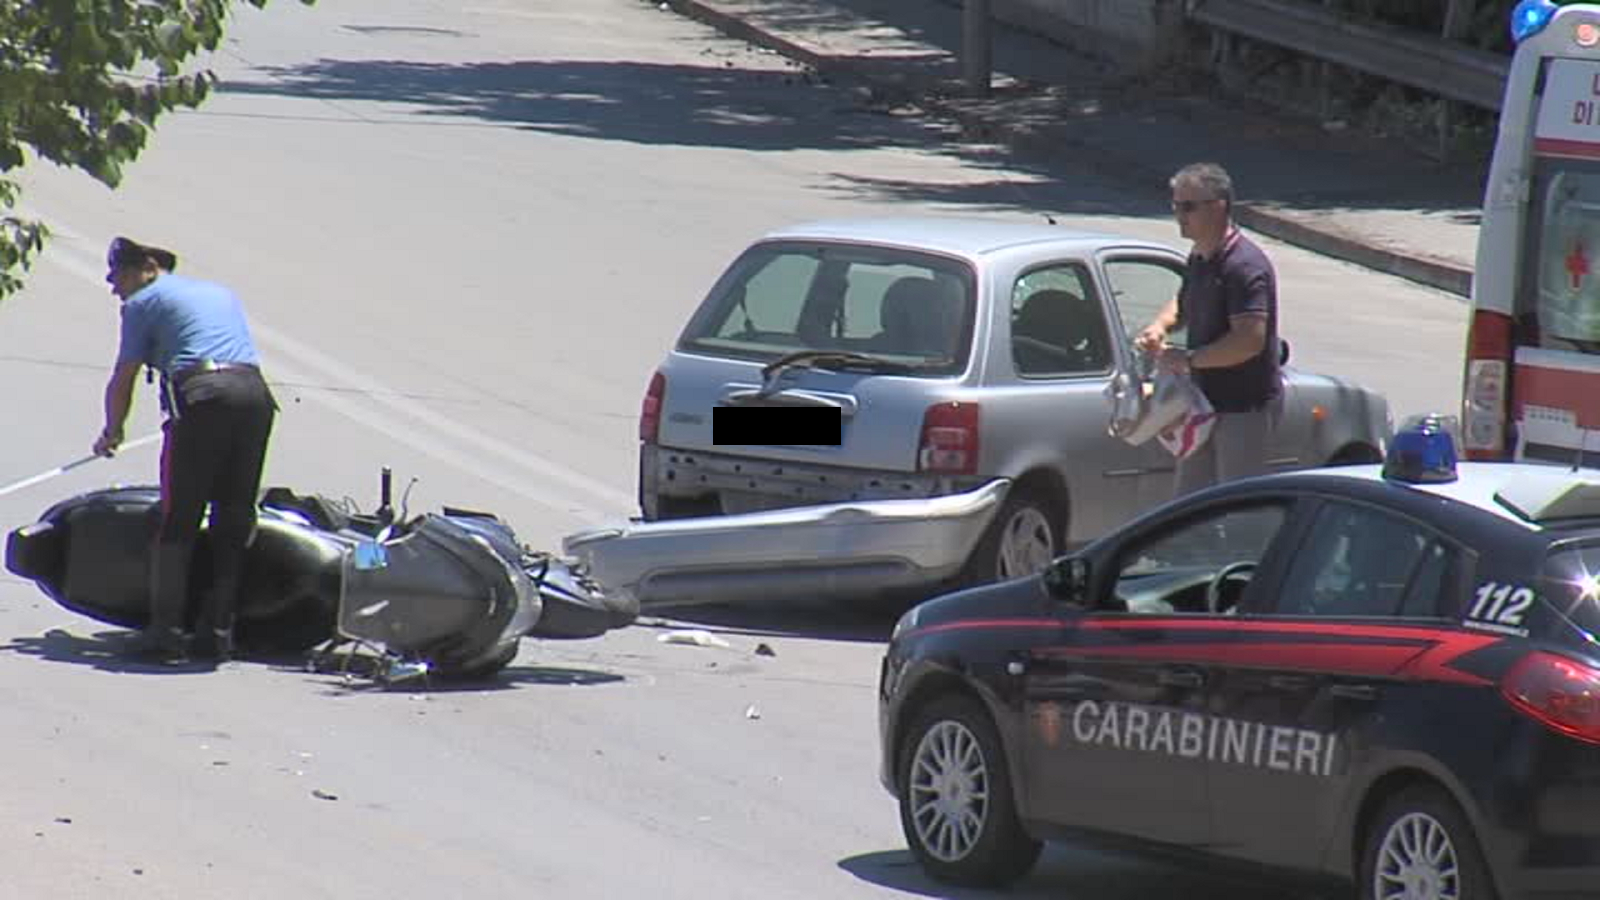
1188 206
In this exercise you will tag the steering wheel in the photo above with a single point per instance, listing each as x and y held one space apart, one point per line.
1214 589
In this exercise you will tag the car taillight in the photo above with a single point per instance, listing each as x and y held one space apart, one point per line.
650 410
1484 396
1562 693
949 439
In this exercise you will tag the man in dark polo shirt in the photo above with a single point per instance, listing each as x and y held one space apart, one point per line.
1229 303
219 418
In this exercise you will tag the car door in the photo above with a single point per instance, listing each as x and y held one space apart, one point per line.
1355 600
1045 399
1141 284
1118 706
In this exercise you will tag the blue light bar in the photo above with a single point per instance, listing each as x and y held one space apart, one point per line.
1530 17
1423 451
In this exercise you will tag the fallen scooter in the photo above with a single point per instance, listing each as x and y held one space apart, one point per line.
449 594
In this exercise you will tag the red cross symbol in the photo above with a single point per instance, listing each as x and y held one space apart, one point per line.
1577 264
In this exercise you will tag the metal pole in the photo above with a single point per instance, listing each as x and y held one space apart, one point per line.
976 49
1457 25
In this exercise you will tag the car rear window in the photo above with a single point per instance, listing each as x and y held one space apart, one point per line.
913 309
1571 588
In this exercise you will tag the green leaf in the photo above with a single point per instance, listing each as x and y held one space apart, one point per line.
65 91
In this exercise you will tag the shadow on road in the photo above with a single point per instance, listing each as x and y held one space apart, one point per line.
647 103
1085 108
718 105
359 678
1073 873
830 622
108 651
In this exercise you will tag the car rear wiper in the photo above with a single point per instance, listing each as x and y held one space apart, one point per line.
841 360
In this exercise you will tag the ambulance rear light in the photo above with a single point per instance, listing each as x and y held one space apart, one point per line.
1560 692
949 442
1484 397
650 409
1531 17
1484 409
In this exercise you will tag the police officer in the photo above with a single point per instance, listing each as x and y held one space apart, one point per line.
219 414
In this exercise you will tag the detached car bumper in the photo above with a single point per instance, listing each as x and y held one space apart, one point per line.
835 550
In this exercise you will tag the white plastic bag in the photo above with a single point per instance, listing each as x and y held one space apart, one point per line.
1142 408
1192 428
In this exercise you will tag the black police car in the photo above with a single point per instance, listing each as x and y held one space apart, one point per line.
1381 675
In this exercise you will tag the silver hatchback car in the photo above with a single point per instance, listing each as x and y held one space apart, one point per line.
955 352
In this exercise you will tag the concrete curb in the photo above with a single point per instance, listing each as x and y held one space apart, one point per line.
1289 229
1328 242
739 28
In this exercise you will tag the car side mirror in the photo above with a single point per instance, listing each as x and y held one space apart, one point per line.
1283 352
1067 580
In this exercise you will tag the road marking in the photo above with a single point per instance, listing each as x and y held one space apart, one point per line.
398 417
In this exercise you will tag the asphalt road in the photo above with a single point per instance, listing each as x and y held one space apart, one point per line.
465 236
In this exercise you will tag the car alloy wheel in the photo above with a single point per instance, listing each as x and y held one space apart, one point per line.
1027 544
956 804
1417 861
1421 847
949 788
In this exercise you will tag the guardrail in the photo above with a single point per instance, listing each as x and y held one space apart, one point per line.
1441 67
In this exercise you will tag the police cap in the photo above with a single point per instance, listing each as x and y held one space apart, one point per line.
125 252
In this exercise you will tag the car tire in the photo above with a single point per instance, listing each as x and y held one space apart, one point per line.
1023 539
1421 821
952 772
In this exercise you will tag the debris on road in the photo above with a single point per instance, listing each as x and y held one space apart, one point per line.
696 636
765 650
324 795
752 713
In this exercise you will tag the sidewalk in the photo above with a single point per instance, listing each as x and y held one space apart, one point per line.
1337 194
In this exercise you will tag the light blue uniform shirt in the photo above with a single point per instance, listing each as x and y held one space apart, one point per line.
173 323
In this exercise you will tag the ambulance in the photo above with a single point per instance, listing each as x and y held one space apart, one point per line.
1532 380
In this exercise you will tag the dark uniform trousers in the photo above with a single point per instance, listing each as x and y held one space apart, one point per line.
215 444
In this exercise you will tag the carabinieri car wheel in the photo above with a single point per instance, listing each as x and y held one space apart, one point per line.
956 806
1421 848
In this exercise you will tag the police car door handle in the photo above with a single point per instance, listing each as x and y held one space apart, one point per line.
1354 691
1180 678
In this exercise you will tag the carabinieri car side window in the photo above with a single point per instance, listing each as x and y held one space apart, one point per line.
1201 565
1359 560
